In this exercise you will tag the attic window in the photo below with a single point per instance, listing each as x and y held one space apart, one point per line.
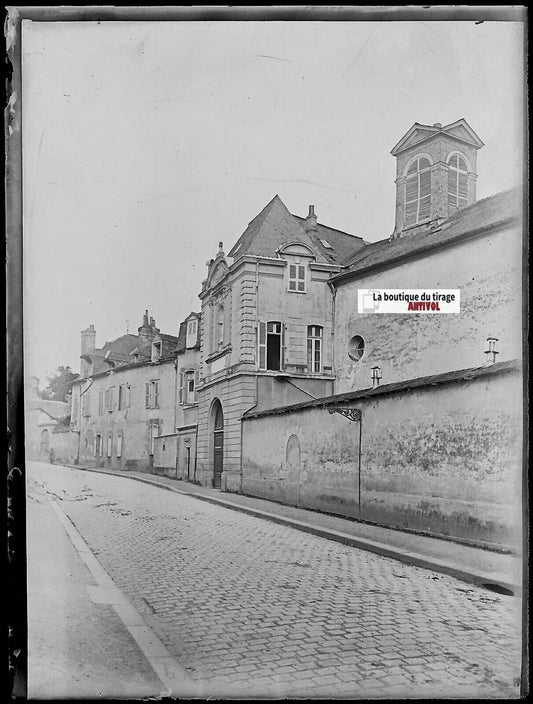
326 244
156 351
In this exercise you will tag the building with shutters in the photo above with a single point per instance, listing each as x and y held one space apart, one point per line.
424 428
125 397
266 330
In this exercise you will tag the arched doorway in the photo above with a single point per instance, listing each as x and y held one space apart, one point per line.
45 442
218 443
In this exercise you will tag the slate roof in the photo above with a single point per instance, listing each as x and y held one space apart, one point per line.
275 225
410 384
483 214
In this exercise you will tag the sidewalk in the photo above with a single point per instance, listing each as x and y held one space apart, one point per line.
84 639
486 568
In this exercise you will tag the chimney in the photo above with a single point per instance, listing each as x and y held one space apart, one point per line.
310 220
437 124
88 339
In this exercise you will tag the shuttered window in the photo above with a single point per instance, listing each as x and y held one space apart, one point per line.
418 192
261 352
101 401
119 444
297 278
152 394
457 182
271 353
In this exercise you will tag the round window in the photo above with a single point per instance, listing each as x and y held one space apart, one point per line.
356 348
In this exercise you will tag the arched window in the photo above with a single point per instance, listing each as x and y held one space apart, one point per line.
457 182
418 191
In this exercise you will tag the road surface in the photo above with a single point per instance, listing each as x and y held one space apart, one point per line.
251 608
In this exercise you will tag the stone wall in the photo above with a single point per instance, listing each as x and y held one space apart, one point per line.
440 459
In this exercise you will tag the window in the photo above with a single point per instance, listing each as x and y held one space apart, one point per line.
98 446
418 191
123 396
192 332
219 332
270 346
110 398
356 348
156 351
86 403
314 349
297 277
188 386
457 182
109 444
152 394
119 445
101 401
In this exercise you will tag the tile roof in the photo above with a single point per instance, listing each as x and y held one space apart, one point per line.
491 211
275 225
386 389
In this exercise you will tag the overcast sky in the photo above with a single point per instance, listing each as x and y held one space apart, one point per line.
147 143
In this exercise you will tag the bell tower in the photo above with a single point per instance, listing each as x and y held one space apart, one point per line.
436 173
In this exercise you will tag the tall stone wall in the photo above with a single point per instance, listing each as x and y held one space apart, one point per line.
439 459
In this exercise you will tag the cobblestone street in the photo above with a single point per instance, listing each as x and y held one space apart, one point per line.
251 608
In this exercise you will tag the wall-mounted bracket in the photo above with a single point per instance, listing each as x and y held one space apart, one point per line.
350 413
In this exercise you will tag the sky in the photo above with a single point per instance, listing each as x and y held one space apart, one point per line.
147 143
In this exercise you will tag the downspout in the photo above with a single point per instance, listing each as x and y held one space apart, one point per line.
176 408
79 411
333 310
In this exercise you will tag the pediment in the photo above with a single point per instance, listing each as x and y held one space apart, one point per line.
420 133
219 271
297 249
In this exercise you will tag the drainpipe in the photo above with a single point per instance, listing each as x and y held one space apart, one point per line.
79 411
333 310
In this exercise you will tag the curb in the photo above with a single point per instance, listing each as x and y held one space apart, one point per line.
489 582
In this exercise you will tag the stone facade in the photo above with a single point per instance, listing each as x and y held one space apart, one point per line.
266 330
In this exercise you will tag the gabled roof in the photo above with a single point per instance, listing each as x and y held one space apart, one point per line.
418 133
275 226
500 208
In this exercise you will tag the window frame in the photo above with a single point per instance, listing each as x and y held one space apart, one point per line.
263 333
152 393
454 198
299 277
315 344
427 197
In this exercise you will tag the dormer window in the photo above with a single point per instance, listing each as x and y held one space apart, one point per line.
457 182
418 191
192 332
156 351
297 278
